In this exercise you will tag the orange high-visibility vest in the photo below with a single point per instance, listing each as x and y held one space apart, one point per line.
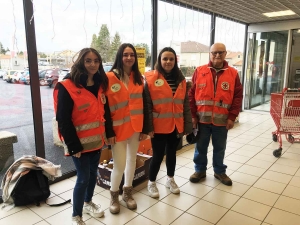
87 115
213 102
167 109
126 106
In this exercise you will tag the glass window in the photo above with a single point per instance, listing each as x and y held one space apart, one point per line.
232 34
187 31
62 28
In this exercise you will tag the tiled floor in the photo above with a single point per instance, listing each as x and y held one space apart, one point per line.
266 190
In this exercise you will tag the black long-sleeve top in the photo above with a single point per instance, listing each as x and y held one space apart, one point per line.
65 106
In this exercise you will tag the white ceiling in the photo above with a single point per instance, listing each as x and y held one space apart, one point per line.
246 11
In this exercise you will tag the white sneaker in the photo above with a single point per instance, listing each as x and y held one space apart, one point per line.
172 185
77 220
152 190
93 209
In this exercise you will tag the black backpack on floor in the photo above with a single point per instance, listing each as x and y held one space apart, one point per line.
32 187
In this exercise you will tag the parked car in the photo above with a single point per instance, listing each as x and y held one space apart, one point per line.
8 75
42 74
51 77
26 78
2 73
15 78
62 74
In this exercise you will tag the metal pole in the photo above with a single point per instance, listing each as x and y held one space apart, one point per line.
212 28
34 78
154 32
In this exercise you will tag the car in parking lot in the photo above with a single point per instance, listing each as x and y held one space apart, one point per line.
51 77
2 73
7 77
26 77
62 74
15 78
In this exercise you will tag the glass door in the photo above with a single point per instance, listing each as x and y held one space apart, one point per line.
265 68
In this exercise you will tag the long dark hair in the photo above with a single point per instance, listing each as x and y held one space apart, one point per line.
175 71
118 64
78 69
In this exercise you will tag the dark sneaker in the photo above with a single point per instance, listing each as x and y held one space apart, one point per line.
197 176
224 179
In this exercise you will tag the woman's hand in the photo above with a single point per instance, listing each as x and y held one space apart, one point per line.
111 141
151 134
143 136
77 155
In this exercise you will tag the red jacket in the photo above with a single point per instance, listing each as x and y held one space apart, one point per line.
237 96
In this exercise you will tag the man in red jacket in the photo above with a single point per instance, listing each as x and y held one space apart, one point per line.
215 100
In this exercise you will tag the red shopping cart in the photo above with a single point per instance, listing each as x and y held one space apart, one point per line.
285 111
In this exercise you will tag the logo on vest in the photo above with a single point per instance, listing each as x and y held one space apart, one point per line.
225 86
201 86
115 87
159 82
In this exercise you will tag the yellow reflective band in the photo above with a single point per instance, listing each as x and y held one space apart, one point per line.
118 106
88 126
90 139
204 102
136 112
178 115
220 104
162 101
121 121
136 95
86 105
178 101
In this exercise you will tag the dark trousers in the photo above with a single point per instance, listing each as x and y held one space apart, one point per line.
219 139
161 144
86 167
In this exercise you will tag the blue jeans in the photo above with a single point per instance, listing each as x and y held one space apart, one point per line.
86 167
219 138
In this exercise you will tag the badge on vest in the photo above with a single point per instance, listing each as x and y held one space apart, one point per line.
115 87
201 86
159 82
225 86
103 99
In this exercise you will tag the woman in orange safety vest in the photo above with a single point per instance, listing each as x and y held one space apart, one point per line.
128 127
171 116
81 110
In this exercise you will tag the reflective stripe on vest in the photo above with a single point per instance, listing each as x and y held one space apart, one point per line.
136 95
219 104
118 106
121 121
162 101
206 117
88 126
167 115
204 102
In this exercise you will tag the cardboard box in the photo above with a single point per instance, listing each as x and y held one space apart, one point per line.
145 147
104 172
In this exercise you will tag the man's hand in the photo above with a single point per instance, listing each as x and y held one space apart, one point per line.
230 124
195 122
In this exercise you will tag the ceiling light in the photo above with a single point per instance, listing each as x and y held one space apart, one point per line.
298 31
279 13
